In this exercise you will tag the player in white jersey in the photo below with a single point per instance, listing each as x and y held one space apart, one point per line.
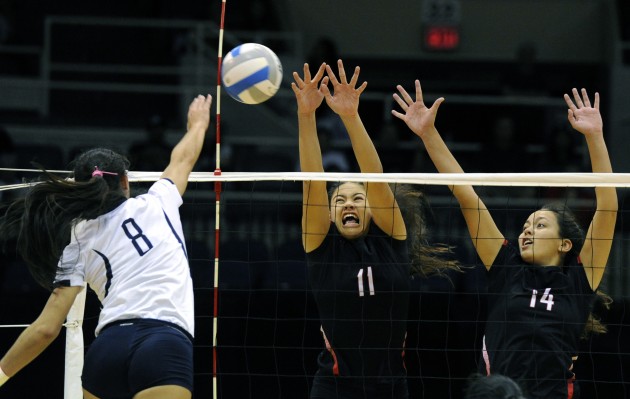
131 252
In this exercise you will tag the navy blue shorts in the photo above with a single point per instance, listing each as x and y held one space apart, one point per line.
133 355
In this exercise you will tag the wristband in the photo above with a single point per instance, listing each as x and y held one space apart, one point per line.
3 377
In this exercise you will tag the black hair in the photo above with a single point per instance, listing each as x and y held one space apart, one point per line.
494 386
426 258
41 222
570 229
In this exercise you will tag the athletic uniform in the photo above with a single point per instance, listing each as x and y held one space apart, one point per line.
536 315
134 258
361 288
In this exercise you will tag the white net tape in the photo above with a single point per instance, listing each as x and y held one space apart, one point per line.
475 179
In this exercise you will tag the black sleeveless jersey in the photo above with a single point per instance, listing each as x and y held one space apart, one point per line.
536 315
361 288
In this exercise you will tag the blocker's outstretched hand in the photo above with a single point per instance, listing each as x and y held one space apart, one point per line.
344 99
415 114
583 117
308 92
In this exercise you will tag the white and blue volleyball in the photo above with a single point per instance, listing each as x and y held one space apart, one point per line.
251 73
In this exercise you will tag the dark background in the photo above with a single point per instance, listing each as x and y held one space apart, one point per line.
268 332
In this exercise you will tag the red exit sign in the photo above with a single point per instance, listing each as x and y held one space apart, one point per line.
441 38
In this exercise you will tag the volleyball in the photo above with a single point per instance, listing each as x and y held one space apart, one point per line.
251 73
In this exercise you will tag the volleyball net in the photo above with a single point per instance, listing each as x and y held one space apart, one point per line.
257 326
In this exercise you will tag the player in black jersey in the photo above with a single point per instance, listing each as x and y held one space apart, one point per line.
358 265
357 252
540 292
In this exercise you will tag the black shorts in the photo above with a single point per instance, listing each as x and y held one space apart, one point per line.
130 356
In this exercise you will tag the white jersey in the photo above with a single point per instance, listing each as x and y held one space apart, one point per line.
135 259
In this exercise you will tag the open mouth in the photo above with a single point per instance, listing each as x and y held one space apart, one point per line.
350 220
527 242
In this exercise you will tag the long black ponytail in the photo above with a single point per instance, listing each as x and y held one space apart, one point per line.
41 222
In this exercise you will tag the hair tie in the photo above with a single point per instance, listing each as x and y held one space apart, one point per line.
100 173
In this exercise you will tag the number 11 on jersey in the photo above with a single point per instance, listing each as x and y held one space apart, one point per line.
370 281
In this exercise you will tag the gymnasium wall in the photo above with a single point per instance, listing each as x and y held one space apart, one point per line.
491 30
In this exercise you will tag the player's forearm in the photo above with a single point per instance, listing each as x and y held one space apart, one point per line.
362 145
439 153
310 151
188 149
445 162
30 344
600 163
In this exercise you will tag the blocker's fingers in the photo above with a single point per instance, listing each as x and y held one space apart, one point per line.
596 100
587 101
342 72
418 91
576 96
361 88
355 76
307 73
331 75
569 102
324 82
400 101
320 72
298 79
404 95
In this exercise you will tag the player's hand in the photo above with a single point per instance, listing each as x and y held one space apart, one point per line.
583 117
415 114
199 112
307 90
344 100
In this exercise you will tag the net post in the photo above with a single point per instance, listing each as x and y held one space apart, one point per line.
74 348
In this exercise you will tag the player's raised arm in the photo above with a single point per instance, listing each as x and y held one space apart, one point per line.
315 211
344 101
586 119
485 235
186 152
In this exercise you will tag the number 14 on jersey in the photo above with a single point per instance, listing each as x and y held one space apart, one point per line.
546 298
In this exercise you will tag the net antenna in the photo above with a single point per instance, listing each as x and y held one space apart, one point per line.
217 191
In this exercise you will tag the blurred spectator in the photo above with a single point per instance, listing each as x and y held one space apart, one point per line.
334 159
323 50
565 153
494 386
562 149
526 79
7 149
393 158
503 148
7 160
153 153
6 21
